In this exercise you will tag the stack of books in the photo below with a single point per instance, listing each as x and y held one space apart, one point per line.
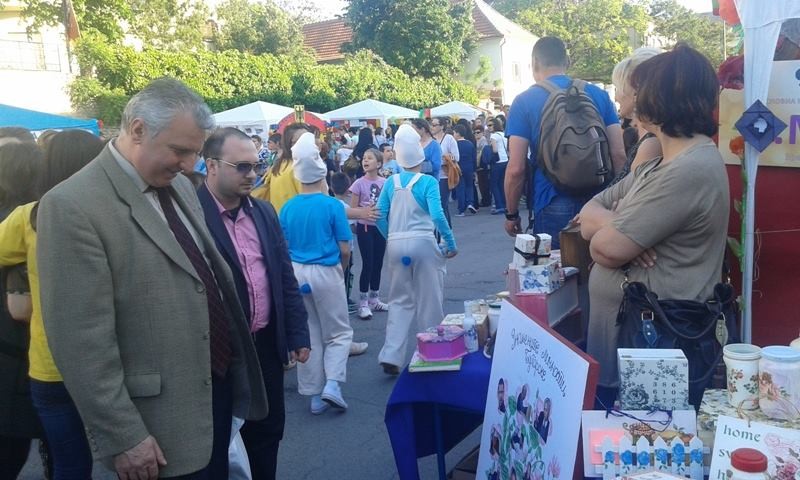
419 365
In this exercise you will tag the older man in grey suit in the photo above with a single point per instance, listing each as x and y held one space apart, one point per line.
140 309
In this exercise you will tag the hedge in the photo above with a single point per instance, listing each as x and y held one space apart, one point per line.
231 78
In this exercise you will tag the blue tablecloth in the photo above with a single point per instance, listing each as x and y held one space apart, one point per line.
461 398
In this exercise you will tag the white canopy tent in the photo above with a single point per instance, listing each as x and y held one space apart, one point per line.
456 109
255 118
371 110
762 25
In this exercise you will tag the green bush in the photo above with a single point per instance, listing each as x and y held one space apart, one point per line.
231 78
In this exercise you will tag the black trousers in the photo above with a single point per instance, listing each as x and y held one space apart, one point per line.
262 437
222 412
484 187
13 455
372 246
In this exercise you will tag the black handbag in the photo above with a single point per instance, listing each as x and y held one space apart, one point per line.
699 329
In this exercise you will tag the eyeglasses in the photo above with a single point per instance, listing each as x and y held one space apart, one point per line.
244 167
436 124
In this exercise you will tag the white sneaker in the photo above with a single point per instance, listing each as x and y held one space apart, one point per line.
357 348
364 313
318 407
377 306
332 395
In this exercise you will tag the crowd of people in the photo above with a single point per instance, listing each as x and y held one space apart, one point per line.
245 258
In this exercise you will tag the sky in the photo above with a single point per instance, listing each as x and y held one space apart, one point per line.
330 8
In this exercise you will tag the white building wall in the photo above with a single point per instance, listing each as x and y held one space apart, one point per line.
517 71
34 70
489 48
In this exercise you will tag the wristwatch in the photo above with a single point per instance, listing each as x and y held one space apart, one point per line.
512 216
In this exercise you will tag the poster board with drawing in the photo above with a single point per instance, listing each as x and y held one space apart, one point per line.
780 445
538 386
783 100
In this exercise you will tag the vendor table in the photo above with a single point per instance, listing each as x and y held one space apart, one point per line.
431 412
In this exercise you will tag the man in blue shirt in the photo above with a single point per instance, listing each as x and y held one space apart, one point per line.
552 209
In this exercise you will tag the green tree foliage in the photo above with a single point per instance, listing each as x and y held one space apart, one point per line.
257 28
421 37
170 24
231 78
597 33
94 16
676 23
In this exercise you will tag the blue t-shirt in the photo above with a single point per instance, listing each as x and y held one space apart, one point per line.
466 155
525 118
313 225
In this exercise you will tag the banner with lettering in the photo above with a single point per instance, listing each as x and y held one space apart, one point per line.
533 409
783 100
780 445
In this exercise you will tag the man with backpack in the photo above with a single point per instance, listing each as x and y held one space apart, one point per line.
575 140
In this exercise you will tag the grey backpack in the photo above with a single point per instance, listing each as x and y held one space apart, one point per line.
573 147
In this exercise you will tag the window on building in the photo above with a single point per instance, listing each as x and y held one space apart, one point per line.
516 74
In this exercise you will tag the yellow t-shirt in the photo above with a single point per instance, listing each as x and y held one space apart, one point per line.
283 186
18 245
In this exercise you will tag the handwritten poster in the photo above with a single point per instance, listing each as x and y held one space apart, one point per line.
783 100
533 409
780 445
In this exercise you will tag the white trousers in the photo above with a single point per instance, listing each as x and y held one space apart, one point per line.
328 327
415 293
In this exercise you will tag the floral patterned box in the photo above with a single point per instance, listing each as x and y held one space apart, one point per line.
653 378
715 403
544 278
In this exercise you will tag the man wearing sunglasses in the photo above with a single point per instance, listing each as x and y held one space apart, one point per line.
248 234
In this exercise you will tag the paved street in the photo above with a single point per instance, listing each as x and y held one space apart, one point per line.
354 445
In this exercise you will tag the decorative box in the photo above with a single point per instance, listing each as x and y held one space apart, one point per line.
715 403
481 324
544 278
444 342
653 378
531 249
547 307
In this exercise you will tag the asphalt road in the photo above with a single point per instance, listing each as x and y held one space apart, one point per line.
354 445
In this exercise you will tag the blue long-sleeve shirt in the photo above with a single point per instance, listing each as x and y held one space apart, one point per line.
426 193
433 153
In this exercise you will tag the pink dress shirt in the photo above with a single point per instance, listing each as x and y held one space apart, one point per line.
242 232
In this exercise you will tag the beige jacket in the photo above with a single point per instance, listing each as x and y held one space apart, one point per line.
126 318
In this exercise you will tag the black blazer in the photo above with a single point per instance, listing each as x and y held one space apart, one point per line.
288 312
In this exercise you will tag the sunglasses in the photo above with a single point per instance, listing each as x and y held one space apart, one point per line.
245 167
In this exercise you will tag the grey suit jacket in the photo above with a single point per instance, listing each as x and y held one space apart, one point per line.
126 317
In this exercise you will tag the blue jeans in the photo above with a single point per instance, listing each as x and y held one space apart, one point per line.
63 428
465 190
555 216
496 179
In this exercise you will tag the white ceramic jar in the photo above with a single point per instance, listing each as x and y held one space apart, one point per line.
779 382
741 362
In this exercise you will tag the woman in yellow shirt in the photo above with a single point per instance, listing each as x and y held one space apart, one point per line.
280 186
67 152
20 164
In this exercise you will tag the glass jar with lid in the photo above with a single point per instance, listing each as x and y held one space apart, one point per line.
779 382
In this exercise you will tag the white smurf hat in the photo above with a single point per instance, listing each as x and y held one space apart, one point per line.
308 166
407 149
